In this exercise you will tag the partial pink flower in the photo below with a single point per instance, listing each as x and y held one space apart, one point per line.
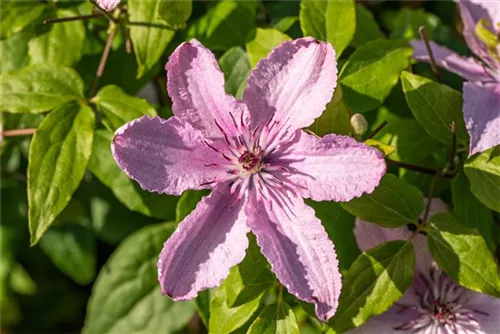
259 165
434 303
108 5
481 110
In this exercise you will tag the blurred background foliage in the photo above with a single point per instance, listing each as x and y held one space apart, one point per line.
47 288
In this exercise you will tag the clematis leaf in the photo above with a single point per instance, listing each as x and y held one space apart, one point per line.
128 192
435 107
285 23
149 42
72 249
16 15
408 21
372 71
263 41
470 211
187 203
384 148
15 51
119 108
175 13
377 279
237 299
61 45
58 156
411 141
483 172
367 29
142 309
332 21
236 67
336 117
463 254
250 278
339 225
225 25
39 88
275 318
393 203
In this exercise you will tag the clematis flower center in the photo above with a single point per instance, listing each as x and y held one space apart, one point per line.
442 307
251 161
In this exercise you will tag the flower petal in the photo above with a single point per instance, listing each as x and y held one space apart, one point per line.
166 156
207 243
471 12
467 68
482 115
299 250
196 85
334 167
108 5
490 307
294 83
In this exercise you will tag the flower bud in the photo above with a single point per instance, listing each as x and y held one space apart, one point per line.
359 124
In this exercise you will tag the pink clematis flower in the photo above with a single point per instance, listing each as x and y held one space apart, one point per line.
482 91
434 303
108 5
258 163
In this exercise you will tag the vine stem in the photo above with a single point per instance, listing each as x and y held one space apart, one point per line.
72 18
104 12
377 130
419 169
103 62
18 132
425 39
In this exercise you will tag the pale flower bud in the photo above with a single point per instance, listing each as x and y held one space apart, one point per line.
359 124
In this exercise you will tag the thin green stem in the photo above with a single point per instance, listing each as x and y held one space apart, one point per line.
72 18
425 39
377 130
103 62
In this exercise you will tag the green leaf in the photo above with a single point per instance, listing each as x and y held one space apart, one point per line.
412 143
187 203
392 204
61 45
336 117
408 21
386 149
58 156
72 249
378 278
126 297
372 71
16 15
39 88
435 107
332 21
149 42
469 211
14 53
128 192
225 25
119 108
203 304
463 254
367 29
285 23
236 67
339 225
261 42
483 172
275 318
175 13
223 317
250 278
20 281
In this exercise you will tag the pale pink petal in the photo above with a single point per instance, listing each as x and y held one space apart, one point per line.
334 167
108 4
471 12
294 83
489 322
299 251
207 243
166 156
386 322
467 68
196 85
482 115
